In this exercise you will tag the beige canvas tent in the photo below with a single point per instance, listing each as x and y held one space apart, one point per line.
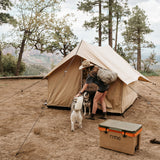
65 80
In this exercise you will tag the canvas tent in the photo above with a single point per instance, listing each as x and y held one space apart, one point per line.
65 79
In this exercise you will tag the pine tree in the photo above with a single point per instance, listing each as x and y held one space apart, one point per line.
110 22
108 11
97 22
136 29
121 10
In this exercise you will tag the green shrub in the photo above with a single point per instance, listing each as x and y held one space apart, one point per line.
9 63
150 73
34 69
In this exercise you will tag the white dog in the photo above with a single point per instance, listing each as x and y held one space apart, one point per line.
86 102
76 112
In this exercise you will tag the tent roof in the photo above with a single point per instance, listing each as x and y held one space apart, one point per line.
104 57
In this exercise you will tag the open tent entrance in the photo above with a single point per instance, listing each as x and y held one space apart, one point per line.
65 80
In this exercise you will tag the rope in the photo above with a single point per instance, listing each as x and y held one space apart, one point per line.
145 99
32 85
150 88
45 103
9 98
29 132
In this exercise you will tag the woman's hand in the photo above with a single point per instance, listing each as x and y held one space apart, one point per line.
82 90
77 95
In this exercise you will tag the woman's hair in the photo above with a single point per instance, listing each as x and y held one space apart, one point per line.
94 70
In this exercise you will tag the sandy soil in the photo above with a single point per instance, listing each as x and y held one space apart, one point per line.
49 137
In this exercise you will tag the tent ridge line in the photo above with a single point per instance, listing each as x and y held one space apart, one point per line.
67 60
78 47
89 48
72 58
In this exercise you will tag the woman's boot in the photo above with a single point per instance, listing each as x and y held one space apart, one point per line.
103 116
91 117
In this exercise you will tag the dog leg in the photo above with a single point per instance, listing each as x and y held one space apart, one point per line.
72 126
80 124
89 109
80 120
84 110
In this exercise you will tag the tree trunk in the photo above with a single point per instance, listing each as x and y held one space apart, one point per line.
116 36
139 54
20 54
110 22
1 66
64 51
100 27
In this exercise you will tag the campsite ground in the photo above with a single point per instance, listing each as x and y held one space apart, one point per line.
51 138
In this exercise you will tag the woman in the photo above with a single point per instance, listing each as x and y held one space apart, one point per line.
100 93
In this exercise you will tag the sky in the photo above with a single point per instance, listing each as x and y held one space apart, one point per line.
151 8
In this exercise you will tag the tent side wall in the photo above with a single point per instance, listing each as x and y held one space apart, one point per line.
114 97
129 96
119 97
64 83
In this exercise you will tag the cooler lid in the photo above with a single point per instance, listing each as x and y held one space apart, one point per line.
120 125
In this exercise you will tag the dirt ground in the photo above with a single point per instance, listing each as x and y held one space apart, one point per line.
38 133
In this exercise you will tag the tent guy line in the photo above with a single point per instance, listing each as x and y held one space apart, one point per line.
148 102
152 88
35 122
21 91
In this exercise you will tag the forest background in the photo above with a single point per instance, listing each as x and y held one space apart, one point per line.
80 20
